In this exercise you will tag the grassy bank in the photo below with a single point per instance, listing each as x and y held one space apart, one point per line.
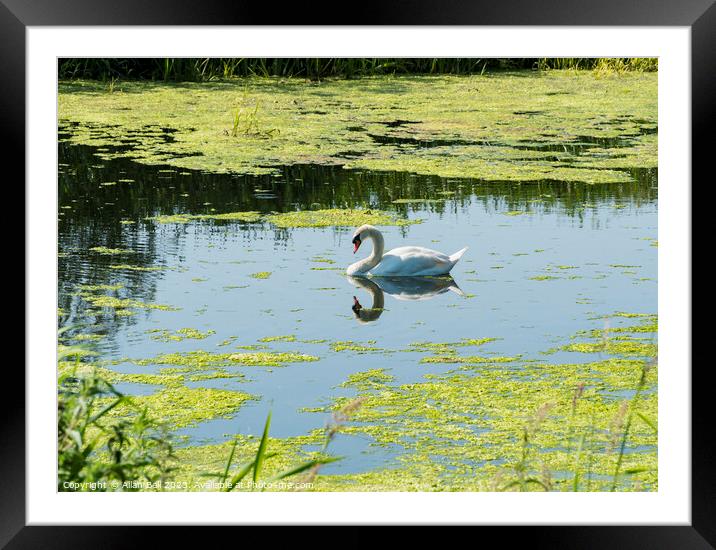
208 69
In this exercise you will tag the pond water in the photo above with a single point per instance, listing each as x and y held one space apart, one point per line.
546 260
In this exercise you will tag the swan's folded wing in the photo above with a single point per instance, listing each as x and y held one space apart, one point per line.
412 260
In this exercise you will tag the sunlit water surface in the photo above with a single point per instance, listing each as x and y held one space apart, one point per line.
598 242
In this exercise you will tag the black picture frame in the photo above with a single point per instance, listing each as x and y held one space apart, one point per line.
699 15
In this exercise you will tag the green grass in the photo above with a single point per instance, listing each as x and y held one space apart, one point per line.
209 69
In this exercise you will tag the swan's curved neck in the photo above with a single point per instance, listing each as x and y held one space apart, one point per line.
366 264
375 311
378 298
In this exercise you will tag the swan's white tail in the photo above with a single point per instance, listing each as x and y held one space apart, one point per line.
455 257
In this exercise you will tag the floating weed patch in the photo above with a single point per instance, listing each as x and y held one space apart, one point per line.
129 267
246 217
349 345
370 379
230 340
627 315
337 218
201 360
448 347
466 429
172 218
73 368
620 340
180 406
88 337
304 218
285 338
472 359
179 335
321 260
417 201
121 306
492 143
110 251
543 278
195 463
99 288
628 348
261 275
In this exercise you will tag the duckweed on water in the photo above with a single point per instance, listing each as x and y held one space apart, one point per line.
200 359
193 463
464 430
417 201
121 306
261 275
470 126
129 267
285 338
179 335
452 358
628 348
370 379
448 347
348 345
110 251
247 217
99 288
180 406
460 430
337 218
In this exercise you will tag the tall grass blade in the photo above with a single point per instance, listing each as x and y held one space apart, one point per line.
262 449
241 474
648 421
305 466
104 411
228 462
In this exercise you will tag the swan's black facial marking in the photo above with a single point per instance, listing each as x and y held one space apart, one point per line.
356 243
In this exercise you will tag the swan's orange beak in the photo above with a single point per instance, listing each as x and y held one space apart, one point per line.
356 243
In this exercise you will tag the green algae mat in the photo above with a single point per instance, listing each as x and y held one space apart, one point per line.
560 125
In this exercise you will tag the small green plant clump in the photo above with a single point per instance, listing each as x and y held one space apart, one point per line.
96 453
246 123
235 481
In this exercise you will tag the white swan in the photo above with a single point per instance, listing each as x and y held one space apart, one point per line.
406 261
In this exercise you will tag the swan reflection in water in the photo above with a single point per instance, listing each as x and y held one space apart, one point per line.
400 288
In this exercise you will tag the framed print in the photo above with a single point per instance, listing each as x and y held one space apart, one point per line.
416 273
